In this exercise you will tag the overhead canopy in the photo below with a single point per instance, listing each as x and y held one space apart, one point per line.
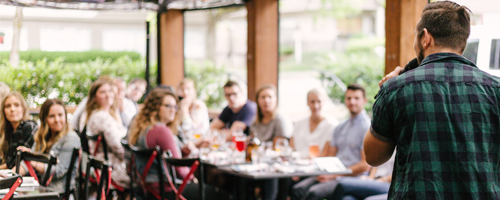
124 4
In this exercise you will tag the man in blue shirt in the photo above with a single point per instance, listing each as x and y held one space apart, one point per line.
239 112
346 144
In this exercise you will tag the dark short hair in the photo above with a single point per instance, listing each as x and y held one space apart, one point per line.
355 87
448 22
231 84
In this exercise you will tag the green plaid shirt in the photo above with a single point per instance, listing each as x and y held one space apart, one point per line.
444 118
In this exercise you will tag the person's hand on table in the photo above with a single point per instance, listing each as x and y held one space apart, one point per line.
24 149
390 75
326 178
185 151
296 178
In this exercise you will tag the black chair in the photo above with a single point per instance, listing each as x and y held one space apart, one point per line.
31 156
10 183
100 140
103 180
140 178
67 188
194 164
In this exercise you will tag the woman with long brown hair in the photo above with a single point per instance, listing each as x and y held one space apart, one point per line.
101 116
56 137
15 128
156 125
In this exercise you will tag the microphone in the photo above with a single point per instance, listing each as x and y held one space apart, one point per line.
410 65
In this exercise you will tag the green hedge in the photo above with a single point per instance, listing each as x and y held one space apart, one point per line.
72 56
70 82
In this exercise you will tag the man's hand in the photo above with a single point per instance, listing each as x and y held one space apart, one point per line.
390 75
326 178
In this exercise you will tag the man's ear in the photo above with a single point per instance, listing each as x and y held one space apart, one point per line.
427 39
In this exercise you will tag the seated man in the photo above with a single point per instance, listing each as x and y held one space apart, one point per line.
239 112
136 88
346 144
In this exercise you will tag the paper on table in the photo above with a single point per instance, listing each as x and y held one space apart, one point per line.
330 164
250 168
29 181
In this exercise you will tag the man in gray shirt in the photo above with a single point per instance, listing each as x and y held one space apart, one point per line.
346 144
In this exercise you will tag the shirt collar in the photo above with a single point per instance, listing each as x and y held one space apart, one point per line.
446 56
359 116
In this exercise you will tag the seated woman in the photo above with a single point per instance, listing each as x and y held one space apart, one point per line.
57 138
156 125
316 129
193 112
268 126
101 116
15 129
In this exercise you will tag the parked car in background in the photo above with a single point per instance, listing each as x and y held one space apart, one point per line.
483 48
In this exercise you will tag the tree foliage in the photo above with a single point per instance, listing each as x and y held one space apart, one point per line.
361 63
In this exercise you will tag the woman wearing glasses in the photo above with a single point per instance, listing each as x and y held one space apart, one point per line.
156 125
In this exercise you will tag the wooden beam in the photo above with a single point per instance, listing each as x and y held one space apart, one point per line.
262 54
171 36
401 18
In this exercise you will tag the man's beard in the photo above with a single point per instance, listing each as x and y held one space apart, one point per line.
420 55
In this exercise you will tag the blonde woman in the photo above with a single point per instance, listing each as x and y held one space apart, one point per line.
193 112
15 128
156 125
101 116
57 138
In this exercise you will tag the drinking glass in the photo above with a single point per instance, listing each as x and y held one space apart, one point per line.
313 150
281 145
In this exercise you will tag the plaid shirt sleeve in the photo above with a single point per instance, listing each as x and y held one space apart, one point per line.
383 120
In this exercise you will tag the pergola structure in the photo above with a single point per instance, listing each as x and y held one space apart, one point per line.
263 32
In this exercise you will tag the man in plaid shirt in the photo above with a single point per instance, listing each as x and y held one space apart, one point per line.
443 117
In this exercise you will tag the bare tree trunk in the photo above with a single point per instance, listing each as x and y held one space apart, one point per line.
16 38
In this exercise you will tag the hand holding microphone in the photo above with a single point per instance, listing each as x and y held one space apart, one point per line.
399 70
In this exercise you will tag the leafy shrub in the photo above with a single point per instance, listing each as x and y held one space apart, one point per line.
72 56
358 64
69 82
209 80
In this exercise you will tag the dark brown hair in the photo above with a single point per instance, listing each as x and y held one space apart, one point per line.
231 84
42 141
149 114
260 115
448 22
355 87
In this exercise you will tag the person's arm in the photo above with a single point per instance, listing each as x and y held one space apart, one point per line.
291 143
163 137
377 152
71 141
75 119
238 126
217 124
357 169
328 150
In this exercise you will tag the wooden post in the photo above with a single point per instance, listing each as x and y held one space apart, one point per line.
401 18
171 47
262 55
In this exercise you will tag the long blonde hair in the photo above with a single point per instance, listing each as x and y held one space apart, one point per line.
6 128
44 139
92 104
260 114
149 114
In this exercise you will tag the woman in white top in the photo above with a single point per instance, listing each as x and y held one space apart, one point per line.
193 112
316 129
102 117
